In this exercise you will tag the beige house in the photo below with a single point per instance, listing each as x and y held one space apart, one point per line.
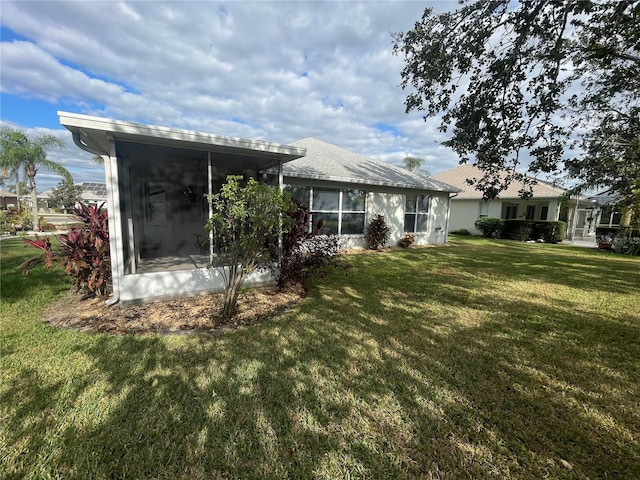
469 205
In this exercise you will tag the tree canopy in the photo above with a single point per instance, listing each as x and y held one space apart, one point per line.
551 86
19 152
65 195
414 164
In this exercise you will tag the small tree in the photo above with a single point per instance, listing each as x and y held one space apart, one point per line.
378 233
65 195
246 223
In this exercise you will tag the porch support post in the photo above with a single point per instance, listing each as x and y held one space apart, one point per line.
574 219
210 191
115 220
281 187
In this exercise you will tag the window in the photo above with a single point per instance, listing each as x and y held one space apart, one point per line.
531 212
416 213
156 207
511 211
483 209
544 212
341 211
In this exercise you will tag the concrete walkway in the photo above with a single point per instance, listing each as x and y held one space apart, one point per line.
580 243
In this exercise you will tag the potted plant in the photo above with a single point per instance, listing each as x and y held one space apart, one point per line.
605 242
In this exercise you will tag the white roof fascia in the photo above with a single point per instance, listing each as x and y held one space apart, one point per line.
136 132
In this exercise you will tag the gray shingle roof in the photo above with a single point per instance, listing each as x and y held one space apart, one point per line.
325 161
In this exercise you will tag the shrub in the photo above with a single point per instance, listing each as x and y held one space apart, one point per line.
490 227
550 232
84 251
517 230
523 230
45 226
406 241
461 231
377 233
305 252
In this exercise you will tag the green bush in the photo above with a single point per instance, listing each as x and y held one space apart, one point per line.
490 227
460 231
523 230
550 232
520 230
378 233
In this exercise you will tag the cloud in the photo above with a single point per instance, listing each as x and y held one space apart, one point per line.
279 71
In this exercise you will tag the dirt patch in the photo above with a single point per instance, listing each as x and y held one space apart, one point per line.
190 315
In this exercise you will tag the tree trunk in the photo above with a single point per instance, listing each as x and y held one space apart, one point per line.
235 280
31 173
18 187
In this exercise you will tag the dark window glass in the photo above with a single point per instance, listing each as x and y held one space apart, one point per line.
353 200
352 223
422 222
326 199
410 204
299 192
423 203
410 222
329 222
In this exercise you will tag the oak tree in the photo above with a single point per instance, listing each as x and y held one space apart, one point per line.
547 85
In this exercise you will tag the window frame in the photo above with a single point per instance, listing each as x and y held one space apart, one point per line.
417 213
341 211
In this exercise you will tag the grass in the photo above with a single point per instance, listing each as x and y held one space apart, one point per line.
488 359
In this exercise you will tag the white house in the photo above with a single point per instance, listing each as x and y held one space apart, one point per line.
468 205
156 178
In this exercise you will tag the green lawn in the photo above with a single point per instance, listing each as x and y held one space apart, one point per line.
487 359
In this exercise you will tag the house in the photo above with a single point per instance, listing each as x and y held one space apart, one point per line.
156 179
8 199
545 204
92 193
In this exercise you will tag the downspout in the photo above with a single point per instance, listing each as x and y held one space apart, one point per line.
446 222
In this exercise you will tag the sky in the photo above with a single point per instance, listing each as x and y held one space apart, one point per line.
276 71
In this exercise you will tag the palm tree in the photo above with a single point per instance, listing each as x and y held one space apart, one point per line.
19 152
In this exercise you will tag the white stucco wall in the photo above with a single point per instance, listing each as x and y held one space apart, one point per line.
163 285
464 214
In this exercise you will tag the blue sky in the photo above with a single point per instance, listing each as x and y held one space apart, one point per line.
278 71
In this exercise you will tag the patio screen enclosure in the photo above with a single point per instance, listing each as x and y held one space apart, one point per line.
163 205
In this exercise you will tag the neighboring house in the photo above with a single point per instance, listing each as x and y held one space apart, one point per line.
469 205
8 199
92 193
156 179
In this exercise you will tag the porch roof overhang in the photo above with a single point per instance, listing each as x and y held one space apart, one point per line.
94 134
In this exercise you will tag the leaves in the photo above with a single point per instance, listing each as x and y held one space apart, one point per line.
514 83
246 222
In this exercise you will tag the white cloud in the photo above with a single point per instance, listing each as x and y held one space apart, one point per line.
280 71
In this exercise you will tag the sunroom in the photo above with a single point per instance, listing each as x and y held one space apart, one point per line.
156 180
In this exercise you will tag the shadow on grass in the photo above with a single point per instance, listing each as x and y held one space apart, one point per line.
392 375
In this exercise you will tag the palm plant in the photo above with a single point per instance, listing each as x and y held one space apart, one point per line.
19 152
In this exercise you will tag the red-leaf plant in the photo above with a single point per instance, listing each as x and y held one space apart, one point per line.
84 251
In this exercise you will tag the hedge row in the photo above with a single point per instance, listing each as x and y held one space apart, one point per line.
523 230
